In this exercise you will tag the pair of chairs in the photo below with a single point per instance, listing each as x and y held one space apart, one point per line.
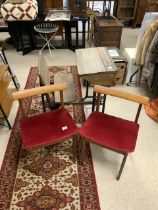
53 127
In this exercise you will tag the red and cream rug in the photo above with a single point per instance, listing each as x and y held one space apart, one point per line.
54 182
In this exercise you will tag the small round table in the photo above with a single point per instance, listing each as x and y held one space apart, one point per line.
45 29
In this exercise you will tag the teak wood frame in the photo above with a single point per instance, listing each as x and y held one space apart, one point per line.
22 94
98 91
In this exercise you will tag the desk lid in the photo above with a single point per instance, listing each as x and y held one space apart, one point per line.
94 60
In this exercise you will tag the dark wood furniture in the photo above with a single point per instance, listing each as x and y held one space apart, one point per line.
141 9
125 9
25 38
120 63
107 31
78 7
109 130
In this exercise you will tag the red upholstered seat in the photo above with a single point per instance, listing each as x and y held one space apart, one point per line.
110 131
47 128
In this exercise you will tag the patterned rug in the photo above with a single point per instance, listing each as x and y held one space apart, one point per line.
54 182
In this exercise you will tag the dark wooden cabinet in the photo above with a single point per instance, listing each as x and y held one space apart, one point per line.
107 32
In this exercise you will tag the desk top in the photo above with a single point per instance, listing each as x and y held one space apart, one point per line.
94 60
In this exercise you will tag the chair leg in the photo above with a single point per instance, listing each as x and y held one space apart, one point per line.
122 166
74 148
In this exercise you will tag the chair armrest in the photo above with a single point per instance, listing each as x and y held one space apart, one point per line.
39 91
121 94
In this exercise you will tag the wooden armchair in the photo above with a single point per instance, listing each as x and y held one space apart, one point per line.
49 127
112 132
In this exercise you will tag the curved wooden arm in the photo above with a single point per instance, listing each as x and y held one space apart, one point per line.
121 94
38 91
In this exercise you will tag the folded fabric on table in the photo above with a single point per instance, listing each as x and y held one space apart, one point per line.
19 10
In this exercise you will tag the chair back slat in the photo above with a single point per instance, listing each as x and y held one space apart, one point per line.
138 113
62 99
98 100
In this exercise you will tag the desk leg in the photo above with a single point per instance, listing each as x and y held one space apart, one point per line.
20 38
103 99
86 95
68 38
83 33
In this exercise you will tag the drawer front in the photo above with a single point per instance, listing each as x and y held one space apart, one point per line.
107 78
104 43
109 36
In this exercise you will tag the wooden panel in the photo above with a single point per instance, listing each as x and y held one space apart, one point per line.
53 4
107 78
93 61
89 61
121 73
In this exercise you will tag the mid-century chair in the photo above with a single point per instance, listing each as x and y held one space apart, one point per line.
111 132
49 127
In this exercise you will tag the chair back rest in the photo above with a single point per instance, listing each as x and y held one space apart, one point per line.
100 90
22 94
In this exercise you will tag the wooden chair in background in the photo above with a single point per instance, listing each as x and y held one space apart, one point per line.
47 128
112 132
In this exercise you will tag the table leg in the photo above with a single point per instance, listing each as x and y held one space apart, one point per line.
83 33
